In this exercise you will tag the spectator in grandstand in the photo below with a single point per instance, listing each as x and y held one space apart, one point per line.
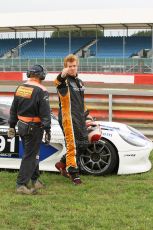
31 109
72 115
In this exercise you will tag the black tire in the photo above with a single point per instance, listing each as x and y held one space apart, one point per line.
100 158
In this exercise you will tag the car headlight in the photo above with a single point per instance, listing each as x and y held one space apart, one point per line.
133 137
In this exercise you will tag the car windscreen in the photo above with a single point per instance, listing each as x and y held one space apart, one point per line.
4 114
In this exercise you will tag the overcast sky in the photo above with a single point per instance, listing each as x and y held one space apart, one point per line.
7 6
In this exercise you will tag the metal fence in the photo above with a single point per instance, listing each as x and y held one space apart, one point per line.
131 106
128 65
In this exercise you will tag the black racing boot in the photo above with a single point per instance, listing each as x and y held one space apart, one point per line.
74 175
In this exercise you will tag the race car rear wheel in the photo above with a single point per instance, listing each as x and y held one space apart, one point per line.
100 158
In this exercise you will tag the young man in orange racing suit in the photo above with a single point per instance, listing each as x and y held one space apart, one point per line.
72 114
31 109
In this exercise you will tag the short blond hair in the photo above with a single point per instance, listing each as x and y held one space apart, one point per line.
70 58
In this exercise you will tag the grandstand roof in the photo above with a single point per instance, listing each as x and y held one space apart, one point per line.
77 19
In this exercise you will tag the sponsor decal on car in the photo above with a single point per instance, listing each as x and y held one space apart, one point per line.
107 134
9 147
130 155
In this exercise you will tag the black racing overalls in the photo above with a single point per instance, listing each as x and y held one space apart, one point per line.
31 109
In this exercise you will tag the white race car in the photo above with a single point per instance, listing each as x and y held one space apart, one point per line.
121 149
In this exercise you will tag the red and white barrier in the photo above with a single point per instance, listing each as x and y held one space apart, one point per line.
88 77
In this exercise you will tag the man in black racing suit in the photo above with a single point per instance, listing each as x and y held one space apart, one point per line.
72 114
31 109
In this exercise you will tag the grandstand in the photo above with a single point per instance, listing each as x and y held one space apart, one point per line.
107 47
104 54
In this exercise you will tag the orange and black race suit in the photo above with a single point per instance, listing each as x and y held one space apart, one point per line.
71 116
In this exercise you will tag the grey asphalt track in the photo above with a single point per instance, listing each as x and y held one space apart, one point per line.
11 85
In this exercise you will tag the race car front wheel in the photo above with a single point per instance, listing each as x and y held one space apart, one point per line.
100 158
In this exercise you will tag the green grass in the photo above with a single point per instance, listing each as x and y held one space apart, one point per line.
100 203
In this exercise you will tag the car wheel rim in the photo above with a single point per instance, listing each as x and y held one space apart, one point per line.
97 158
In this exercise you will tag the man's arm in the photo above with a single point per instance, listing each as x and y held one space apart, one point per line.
60 82
45 110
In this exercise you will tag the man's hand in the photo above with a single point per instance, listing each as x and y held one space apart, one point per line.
47 137
11 133
64 72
